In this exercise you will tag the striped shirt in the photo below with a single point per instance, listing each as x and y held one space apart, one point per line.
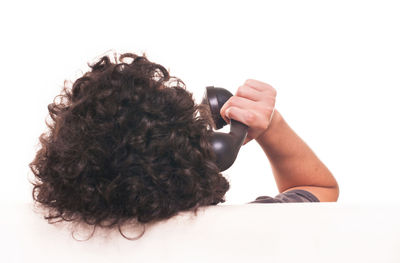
293 196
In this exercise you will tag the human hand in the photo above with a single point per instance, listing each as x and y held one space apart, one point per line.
253 105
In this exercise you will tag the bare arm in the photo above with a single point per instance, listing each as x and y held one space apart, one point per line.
293 163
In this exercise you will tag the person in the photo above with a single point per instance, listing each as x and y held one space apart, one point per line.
126 142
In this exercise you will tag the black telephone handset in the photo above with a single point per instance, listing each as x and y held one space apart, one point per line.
225 145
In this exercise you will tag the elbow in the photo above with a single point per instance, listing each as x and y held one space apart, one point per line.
333 192
337 192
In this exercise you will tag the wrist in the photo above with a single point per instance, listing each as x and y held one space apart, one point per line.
272 128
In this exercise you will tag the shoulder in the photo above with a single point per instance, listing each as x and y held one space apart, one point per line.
293 196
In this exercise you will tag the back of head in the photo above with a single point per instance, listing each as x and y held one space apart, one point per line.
125 142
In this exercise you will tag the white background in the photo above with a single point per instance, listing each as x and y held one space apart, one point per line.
335 65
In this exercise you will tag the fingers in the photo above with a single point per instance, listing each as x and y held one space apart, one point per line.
256 90
249 117
238 114
248 92
252 105
260 86
237 102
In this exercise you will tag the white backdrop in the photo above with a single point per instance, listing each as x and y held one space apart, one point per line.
334 64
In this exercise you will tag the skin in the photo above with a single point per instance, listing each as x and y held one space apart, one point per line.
294 164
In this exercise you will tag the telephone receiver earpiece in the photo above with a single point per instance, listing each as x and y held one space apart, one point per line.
225 145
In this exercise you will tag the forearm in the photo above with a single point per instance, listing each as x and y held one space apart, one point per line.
294 164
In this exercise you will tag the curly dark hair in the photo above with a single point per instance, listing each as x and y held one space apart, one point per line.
125 142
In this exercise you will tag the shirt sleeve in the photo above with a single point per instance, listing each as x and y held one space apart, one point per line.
293 196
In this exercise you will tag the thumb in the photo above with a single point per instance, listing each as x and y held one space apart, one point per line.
238 114
246 140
